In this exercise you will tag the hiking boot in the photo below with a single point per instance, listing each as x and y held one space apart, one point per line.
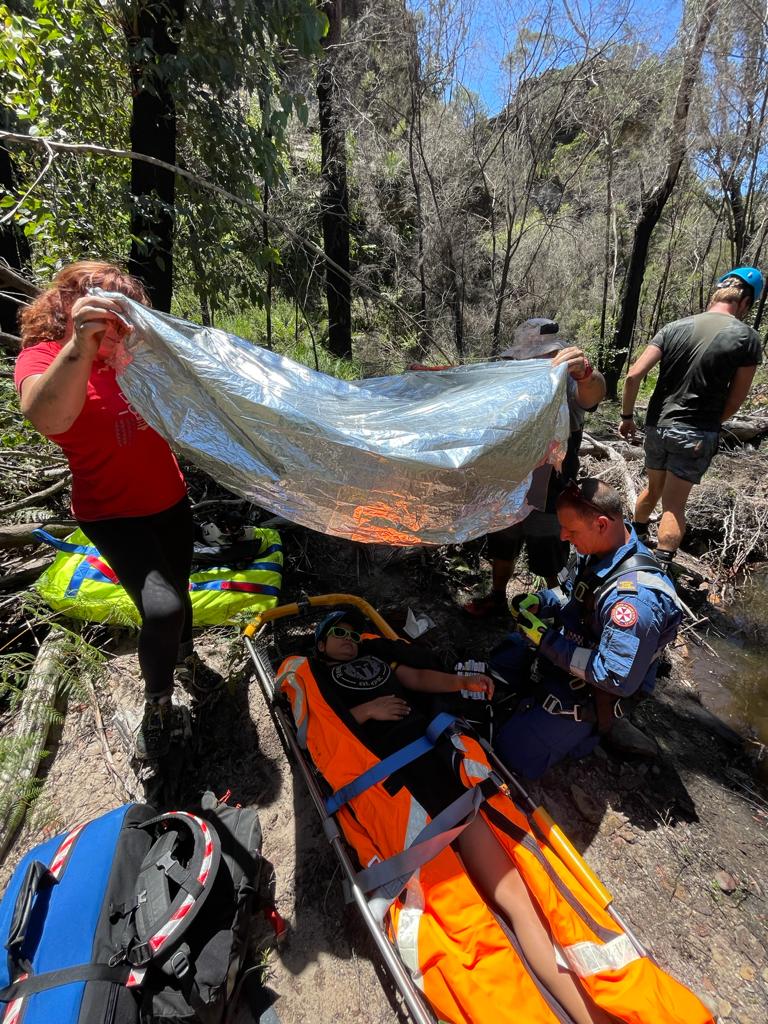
197 677
153 740
494 603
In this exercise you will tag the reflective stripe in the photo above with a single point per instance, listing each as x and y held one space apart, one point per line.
456 740
579 661
476 769
300 716
407 936
586 958
655 581
417 820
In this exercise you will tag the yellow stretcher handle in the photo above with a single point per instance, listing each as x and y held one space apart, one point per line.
571 857
284 610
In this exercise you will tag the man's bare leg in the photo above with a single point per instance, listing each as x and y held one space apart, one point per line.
673 501
491 870
651 494
501 573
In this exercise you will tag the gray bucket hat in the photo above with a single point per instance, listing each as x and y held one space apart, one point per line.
534 338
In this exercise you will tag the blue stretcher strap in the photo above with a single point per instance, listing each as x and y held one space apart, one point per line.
390 764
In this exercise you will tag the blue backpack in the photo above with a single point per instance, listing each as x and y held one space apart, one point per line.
132 917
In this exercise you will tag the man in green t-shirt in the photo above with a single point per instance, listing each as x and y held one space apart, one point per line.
708 362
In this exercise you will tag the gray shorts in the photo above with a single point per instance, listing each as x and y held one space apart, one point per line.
684 451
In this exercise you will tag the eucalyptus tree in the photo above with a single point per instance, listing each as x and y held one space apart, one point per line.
656 197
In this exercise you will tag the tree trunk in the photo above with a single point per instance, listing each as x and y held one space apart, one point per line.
14 248
653 205
334 201
153 32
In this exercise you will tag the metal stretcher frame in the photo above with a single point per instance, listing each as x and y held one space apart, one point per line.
547 829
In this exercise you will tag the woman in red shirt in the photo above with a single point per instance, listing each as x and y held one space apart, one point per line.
128 493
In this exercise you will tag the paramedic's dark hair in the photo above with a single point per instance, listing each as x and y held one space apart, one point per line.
592 497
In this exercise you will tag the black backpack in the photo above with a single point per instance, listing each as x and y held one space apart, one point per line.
135 917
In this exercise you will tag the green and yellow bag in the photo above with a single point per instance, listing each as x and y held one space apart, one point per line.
82 585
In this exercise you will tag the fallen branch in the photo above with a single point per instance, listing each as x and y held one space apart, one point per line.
607 451
29 736
10 343
21 579
746 427
9 278
22 534
39 497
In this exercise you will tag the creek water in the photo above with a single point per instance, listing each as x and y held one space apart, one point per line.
735 686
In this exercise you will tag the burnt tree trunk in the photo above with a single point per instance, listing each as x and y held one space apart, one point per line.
653 205
153 31
334 199
14 248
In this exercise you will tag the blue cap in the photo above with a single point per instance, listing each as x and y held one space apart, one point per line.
750 276
325 624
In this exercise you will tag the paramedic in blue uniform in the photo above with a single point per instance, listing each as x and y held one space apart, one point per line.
596 645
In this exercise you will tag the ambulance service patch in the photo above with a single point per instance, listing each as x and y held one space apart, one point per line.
623 614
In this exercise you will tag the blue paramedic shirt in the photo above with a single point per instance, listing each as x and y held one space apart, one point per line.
615 646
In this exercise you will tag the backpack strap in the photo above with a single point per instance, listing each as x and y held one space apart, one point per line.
171 887
649 572
65 545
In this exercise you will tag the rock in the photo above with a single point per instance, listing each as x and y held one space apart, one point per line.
765 975
747 972
613 821
625 738
724 1008
748 944
726 881
587 806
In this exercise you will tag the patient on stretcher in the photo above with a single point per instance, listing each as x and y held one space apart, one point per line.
371 683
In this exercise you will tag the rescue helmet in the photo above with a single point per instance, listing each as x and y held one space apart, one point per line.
750 276
535 338
321 629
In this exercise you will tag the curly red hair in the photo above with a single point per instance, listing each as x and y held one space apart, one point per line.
45 318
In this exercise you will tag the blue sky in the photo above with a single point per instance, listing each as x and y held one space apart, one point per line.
492 24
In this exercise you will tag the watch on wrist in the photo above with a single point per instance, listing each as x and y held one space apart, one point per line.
627 415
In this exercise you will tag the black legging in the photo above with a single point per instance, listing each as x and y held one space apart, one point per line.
152 557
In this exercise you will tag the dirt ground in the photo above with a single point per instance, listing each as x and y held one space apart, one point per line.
682 843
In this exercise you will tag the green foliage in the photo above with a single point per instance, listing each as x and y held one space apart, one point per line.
66 71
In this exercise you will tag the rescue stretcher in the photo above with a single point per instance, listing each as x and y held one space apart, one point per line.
617 971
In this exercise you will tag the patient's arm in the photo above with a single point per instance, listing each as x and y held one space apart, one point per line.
427 680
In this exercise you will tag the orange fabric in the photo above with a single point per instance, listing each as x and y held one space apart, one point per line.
456 949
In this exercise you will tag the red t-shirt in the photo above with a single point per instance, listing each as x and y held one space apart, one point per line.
120 465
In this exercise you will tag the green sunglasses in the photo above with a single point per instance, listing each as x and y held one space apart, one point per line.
341 632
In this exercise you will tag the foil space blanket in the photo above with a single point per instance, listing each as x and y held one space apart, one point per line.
418 458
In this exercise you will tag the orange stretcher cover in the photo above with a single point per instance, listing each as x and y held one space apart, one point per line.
456 950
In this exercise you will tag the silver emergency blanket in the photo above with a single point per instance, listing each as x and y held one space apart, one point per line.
419 458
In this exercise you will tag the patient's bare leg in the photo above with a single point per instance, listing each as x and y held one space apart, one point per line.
492 871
